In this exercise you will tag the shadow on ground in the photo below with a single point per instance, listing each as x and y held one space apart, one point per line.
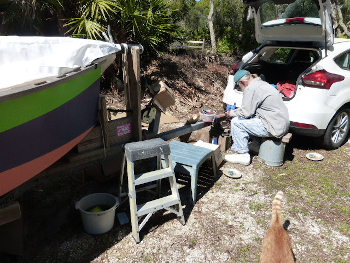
301 143
53 228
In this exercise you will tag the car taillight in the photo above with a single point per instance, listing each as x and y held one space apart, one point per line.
304 125
295 20
321 79
233 68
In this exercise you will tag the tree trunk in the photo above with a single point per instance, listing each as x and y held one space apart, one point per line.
338 17
211 27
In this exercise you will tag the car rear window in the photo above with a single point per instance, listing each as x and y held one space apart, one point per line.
289 55
269 11
281 56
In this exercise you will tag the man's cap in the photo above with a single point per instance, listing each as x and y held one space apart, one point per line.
239 74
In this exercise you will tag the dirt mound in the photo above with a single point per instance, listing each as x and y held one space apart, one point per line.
197 80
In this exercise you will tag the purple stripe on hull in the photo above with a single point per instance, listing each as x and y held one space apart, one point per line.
50 131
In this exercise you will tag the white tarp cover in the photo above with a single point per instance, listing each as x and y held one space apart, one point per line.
24 59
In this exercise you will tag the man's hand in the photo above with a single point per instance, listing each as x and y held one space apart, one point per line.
231 113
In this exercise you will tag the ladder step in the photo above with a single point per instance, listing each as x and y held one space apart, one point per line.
145 149
153 176
144 188
157 204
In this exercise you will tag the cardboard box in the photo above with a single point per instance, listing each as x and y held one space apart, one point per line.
165 97
215 147
203 135
218 157
225 142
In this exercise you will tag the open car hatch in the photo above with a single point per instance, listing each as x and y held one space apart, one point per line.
292 20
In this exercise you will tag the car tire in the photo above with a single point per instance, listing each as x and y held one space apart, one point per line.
337 130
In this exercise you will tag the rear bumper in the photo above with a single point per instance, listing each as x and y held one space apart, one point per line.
306 132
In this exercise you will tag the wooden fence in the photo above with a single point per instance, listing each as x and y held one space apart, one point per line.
190 44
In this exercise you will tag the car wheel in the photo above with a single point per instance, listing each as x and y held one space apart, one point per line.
337 130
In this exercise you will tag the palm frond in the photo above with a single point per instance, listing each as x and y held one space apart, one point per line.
100 8
85 27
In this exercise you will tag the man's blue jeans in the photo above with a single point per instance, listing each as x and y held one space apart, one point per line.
241 128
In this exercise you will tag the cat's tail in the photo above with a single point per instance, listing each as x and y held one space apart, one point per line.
276 208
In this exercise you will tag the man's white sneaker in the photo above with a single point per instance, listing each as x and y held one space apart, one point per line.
241 158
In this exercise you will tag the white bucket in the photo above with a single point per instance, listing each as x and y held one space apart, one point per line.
101 221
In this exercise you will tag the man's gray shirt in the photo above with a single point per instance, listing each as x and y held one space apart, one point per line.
263 101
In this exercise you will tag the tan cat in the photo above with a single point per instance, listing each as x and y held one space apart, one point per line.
277 245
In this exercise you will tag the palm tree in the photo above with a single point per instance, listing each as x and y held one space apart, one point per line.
92 18
135 21
140 21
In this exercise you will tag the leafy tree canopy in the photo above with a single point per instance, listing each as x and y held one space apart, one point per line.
152 23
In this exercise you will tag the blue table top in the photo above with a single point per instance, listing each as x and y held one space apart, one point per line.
188 154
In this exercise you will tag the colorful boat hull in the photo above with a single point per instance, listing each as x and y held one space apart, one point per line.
40 123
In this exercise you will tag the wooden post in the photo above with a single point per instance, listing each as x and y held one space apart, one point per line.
134 90
126 78
104 121
153 127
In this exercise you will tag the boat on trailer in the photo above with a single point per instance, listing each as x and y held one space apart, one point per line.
49 95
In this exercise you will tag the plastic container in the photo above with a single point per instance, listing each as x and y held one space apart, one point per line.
102 219
207 117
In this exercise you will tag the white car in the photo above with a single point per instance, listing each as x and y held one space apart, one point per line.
300 56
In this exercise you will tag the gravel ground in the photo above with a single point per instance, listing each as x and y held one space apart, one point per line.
226 224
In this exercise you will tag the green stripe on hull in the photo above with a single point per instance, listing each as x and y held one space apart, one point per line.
21 110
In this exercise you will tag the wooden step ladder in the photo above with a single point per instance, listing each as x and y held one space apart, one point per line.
141 150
